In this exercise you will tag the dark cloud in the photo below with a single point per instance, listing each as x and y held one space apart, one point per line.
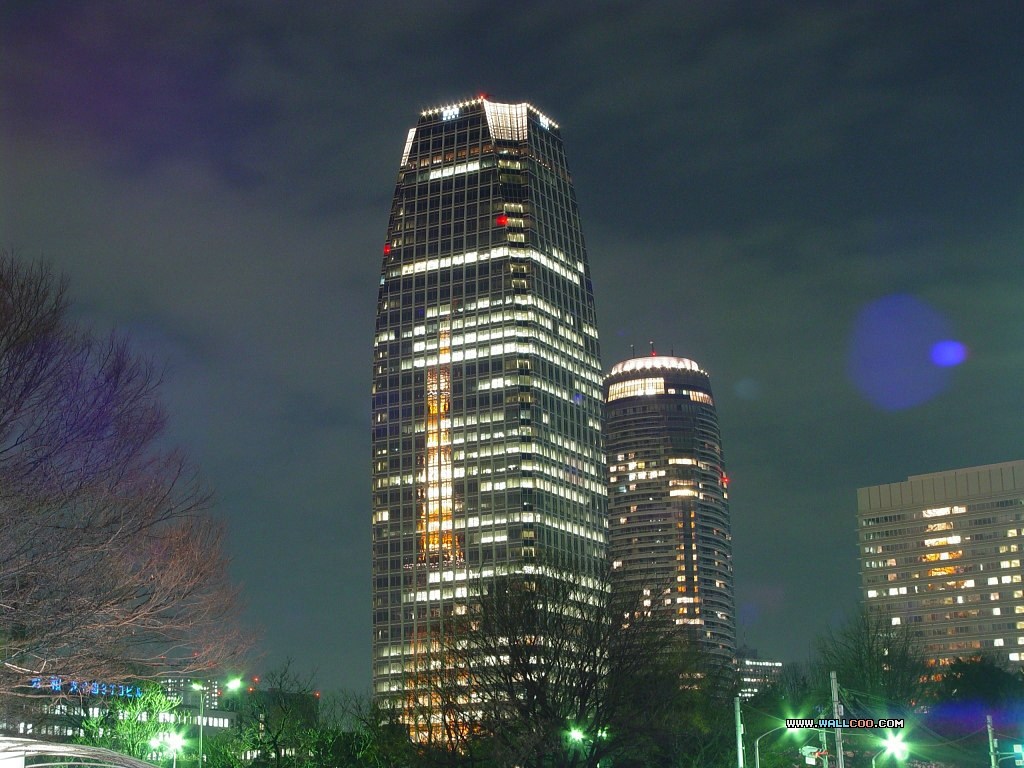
215 179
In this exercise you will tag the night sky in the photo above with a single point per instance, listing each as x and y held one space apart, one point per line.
805 198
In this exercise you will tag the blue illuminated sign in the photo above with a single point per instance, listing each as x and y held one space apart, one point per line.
86 688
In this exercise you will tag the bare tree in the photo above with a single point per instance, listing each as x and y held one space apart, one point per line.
548 673
879 665
279 717
382 741
110 562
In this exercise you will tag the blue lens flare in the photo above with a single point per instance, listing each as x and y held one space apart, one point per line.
948 353
901 352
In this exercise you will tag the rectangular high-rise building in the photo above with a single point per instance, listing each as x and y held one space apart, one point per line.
941 553
486 416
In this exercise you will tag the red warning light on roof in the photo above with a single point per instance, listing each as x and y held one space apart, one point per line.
501 220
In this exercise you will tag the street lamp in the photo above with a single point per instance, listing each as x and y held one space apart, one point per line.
580 739
231 685
893 746
757 743
577 735
172 742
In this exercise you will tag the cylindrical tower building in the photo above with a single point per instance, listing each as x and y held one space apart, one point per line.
668 511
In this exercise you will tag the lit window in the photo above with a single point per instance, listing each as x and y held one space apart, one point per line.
636 387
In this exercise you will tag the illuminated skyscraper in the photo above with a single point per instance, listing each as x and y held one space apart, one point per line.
486 385
668 509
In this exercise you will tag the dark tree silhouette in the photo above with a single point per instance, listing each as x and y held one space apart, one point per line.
980 679
969 689
879 666
543 672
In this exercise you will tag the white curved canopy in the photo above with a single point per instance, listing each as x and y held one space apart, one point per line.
655 361
13 752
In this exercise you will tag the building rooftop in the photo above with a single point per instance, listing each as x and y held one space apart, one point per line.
656 361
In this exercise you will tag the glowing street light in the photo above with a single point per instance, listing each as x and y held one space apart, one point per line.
172 742
893 746
231 685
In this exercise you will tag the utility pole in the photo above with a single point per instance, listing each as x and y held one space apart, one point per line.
739 734
837 713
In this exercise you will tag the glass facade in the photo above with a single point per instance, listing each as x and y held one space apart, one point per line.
941 553
486 393
669 532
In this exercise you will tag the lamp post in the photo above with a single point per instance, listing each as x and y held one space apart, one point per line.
202 709
893 746
231 685
171 742
757 744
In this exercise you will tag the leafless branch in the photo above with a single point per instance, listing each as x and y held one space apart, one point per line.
110 561
539 654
